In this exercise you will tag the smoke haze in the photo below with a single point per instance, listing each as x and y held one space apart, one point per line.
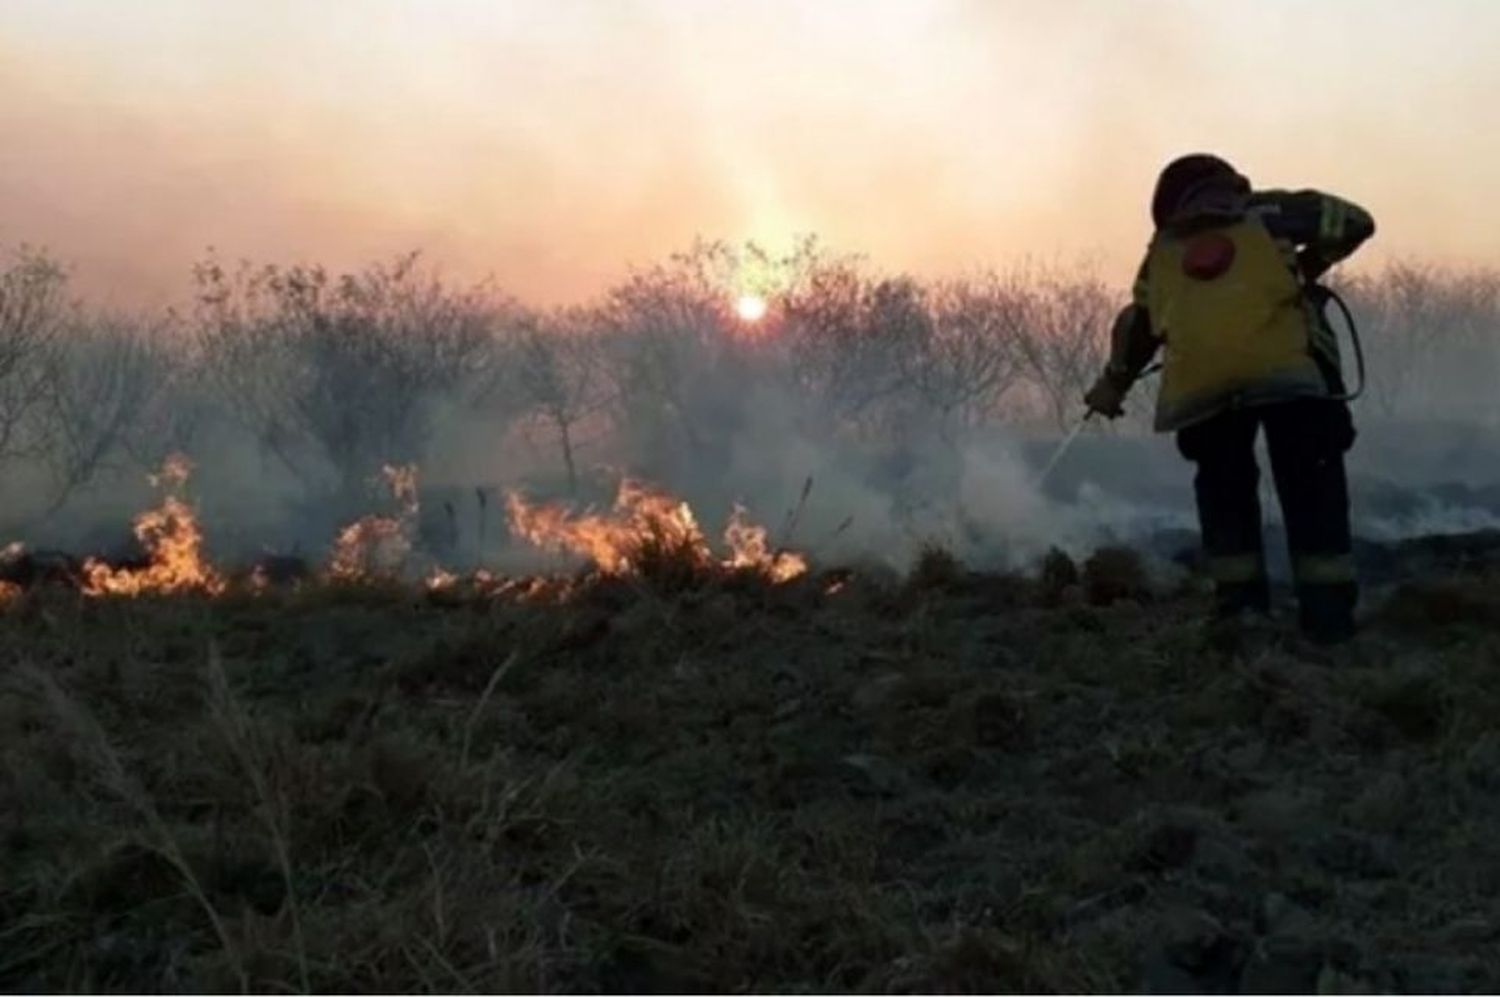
550 143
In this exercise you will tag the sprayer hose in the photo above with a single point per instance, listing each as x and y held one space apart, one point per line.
1359 353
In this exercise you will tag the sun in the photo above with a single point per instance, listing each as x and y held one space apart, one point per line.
750 307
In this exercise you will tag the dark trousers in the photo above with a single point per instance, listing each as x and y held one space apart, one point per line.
1307 440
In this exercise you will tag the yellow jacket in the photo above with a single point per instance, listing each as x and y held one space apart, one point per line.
1227 299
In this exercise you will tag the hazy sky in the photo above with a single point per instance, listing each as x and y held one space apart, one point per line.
551 142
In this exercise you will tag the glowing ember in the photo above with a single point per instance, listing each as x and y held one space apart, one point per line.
9 592
173 542
379 544
441 580
535 589
646 521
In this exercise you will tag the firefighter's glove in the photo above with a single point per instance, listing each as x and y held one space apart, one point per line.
1107 397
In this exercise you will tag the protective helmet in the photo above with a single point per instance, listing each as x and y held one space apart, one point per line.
1187 176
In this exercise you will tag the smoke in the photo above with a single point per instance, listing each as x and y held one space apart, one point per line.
865 418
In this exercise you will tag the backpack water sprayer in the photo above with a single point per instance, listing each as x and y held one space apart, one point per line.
1327 294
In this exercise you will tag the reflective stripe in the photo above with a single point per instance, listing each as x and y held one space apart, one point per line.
1324 569
1236 568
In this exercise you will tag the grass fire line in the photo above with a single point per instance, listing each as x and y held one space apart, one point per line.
646 531
645 525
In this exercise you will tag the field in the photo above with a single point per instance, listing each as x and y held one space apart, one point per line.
948 781
398 595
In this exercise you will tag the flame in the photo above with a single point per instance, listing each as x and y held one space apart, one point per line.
368 546
440 580
174 473
402 479
483 583
10 591
535 588
613 541
643 520
379 544
523 588
173 542
749 549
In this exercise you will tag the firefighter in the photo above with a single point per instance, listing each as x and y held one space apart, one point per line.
1229 289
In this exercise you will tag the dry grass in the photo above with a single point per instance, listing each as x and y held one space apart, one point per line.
945 784
1114 573
1462 599
1057 574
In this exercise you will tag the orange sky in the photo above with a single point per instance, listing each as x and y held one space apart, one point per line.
551 142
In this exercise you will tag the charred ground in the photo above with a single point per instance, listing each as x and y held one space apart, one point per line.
948 781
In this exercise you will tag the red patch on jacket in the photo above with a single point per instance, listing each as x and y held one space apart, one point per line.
1208 255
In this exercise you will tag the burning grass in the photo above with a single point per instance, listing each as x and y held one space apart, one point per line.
648 535
173 543
374 545
654 535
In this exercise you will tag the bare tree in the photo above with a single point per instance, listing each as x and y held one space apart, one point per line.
972 356
1480 333
32 310
1398 314
339 371
1431 337
1065 342
853 339
665 334
184 404
822 325
101 381
558 369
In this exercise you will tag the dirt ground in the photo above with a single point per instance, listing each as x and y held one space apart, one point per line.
945 782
